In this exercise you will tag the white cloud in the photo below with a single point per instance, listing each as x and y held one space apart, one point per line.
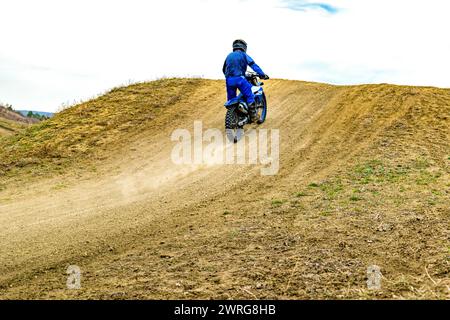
57 51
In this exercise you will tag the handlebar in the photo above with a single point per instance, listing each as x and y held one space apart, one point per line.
255 75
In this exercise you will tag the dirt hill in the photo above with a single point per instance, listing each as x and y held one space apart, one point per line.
364 180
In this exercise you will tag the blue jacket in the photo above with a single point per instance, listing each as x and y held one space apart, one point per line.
236 64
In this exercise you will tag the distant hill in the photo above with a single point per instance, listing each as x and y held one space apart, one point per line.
40 113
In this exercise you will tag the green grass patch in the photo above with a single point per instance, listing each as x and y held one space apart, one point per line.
355 198
436 192
375 171
277 203
233 233
425 177
332 188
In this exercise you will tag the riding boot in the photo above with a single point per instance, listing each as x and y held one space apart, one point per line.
253 112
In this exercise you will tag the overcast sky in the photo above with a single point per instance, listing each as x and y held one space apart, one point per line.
54 52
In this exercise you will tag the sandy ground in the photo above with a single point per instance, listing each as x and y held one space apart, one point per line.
143 227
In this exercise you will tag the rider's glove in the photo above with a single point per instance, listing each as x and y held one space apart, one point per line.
265 77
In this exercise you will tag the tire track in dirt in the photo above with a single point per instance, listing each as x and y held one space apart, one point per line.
145 228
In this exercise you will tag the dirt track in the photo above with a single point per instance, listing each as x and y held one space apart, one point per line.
141 227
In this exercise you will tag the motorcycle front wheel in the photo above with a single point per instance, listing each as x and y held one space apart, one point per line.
262 109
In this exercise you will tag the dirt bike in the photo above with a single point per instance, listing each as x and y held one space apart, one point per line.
238 114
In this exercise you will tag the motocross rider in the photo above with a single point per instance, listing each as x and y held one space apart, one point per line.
234 69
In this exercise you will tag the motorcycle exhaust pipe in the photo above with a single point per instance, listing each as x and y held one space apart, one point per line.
242 108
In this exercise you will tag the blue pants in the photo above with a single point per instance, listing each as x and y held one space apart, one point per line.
244 87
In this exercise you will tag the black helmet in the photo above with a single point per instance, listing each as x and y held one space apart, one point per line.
240 45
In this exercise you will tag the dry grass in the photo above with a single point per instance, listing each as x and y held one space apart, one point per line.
89 130
9 127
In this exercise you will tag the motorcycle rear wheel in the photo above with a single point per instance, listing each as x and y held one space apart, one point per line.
234 132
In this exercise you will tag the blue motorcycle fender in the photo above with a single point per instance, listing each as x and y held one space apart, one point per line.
232 106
